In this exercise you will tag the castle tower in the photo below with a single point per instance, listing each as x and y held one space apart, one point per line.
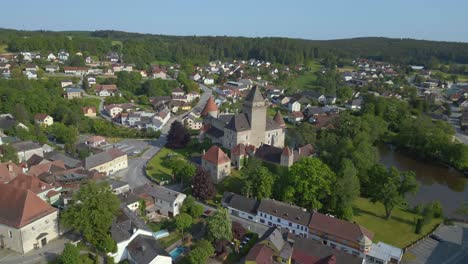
210 108
255 108
287 157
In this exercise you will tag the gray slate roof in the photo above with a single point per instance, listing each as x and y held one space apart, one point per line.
126 221
239 123
254 95
240 203
286 211
102 158
26 145
144 249
67 160
158 192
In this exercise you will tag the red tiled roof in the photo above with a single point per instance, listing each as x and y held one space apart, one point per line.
260 254
9 171
31 183
238 150
39 169
115 153
287 151
216 155
94 139
52 193
85 109
20 207
297 114
40 117
108 87
279 119
178 90
209 107
339 228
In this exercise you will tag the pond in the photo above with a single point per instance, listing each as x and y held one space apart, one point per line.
436 182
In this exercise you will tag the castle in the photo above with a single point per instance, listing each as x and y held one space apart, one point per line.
250 127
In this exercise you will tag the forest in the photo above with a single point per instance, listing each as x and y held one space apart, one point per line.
144 49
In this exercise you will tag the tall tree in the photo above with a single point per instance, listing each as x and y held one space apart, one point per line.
257 181
203 188
70 254
309 183
191 207
8 153
182 222
219 226
178 136
91 213
390 186
201 252
184 172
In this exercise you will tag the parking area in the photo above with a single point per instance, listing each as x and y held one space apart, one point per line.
449 244
129 146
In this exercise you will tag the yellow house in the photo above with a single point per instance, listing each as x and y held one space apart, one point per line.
109 161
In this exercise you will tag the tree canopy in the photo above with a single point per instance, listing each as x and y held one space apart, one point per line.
219 226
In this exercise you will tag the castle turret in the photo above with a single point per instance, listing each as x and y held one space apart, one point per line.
287 157
279 119
210 109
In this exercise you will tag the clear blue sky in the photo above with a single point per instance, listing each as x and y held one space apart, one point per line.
310 19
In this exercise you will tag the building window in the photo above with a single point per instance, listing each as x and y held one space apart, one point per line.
290 224
262 221
33 228
251 218
278 220
46 221
10 234
269 223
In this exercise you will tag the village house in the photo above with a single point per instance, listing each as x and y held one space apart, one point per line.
43 190
52 68
295 117
43 119
79 71
89 111
217 164
91 80
66 83
165 201
118 187
30 74
135 241
51 57
95 141
72 93
113 56
158 73
26 221
113 110
105 90
191 96
191 121
25 149
108 162
63 56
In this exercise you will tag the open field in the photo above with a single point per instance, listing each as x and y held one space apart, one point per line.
397 231
307 80
3 48
157 170
461 77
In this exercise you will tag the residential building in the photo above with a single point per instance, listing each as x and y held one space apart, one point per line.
382 253
273 247
95 141
31 74
43 119
89 111
26 221
113 110
250 127
91 81
72 93
217 164
119 187
66 83
294 106
43 190
135 241
25 149
52 68
63 56
294 117
340 234
75 70
9 171
191 121
166 201
241 206
105 90
108 161
158 73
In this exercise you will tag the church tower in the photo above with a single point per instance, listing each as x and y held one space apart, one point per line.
255 108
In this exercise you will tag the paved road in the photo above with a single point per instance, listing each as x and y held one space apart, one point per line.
455 121
135 173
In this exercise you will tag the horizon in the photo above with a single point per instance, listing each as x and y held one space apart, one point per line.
333 20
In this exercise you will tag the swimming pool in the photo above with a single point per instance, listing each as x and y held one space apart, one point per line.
176 252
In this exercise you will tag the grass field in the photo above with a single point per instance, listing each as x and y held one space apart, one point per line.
397 231
3 49
461 77
157 170
307 80
117 42
87 101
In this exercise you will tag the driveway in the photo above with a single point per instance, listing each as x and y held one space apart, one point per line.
38 256
452 250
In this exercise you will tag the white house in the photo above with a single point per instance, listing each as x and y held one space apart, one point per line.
63 56
294 106
51 57
52 68
31 74
208 81
166 201
135 241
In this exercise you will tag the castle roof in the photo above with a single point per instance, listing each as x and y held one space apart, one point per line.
239 123
279 119
216 156
254 95
209 107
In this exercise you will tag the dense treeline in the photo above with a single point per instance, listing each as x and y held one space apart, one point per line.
143 49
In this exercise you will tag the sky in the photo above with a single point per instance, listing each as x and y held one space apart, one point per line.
444 20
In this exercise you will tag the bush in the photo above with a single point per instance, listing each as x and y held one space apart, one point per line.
109 260
419 225
437 209
418 209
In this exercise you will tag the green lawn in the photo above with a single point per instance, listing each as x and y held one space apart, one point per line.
88 101
117 43
157 170
461 77
171 239
397 231
3 48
